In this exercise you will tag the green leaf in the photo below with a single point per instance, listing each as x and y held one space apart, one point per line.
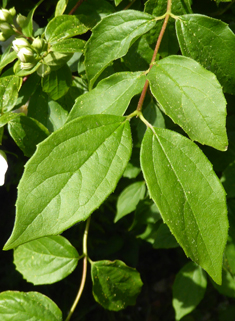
70 175
227 287
46 260
38 106
28 25
5 118
57 116
27 133
164 239
111 96
57 83
211 43
192 97
9 87
25 306
115 285
189 195
60 7
117 2
55 60
63 27
129 199
111 39
188 289
7 57
69 46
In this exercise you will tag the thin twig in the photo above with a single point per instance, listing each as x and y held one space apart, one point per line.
159 40
130 4
84 272
76 6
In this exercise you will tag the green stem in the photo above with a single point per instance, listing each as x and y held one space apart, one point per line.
130 4
84 272
159 40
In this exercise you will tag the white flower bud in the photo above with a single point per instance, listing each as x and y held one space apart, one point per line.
20 19
27 65
5 15
3 167
20 43
25 54
39 44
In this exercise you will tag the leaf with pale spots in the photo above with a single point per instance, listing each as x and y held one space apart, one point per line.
189 196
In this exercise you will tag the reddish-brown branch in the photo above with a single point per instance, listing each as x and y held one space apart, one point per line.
76 6
159 40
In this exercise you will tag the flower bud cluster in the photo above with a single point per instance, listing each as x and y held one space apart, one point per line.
6 20
29 54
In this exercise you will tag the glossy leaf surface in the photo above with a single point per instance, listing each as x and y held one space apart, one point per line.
192 97
212 43
46 260
111 39
62 27
9 87
188 289
111 96
70 175
188 194
25 306
69 45
115 285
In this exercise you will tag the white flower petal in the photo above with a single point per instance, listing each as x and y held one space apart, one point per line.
3 167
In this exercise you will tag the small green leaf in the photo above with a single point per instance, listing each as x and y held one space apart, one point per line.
189 195
211 43
27 133
117 2
188 289
69 45
129 199
57 83
25 306
28 25
60 7
70 175
9 87
115 285
46 260
111 96
192 97
7 57
63 27
112 37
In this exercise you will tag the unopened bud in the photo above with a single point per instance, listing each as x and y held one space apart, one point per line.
39 44
20 19
27 65
12 11
6 30
20 43
6 15
26 54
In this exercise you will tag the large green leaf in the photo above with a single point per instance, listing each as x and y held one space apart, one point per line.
46 260
27 133
111 96
189 195
25 306
188 289
62 27
192 97
112 37
27 28
129 199
210 42
7 57
115 285
9 87
70 175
